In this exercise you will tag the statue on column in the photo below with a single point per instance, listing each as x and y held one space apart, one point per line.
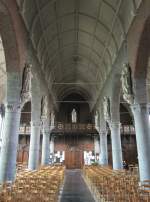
106 106
126 81
44 108
52 118
96 119
26 83
74 116
2 110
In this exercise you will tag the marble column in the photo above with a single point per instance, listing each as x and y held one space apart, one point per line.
96 145
103 148
141 119
11 128
52 145
34 149
34 145
116 145
45 147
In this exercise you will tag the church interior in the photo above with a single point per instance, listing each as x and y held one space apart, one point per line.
74 100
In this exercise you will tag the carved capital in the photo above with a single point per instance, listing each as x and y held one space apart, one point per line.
115 125
139 107
103 132
46 131
36 123
12 107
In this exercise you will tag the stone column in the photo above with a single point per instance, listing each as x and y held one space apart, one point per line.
45 147
11 128
96 145
52 145
103 148
33 162
141 119
116 145
34 145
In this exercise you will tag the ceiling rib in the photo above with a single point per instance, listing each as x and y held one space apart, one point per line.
82 31
68 46
40 18
53 1
60 18
94 31
109 37
119 19
58 35
71 63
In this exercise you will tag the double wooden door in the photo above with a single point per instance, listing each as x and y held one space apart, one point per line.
73 153
73 159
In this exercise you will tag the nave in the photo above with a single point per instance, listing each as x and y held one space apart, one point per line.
75 94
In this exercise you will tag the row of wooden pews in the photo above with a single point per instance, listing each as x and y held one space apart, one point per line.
36 186
115 186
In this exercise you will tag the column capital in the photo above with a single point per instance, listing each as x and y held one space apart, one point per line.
43 118
12 106
36 123
115 124
46 131
52 127
139 106
103 132
52 137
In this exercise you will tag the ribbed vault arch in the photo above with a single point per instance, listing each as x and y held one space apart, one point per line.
79 39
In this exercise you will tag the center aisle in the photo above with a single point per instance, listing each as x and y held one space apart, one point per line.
75 189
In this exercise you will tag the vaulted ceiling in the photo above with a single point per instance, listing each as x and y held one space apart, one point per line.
77 41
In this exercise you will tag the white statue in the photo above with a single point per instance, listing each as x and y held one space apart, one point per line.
106 106
126 81
52 118
26 81
45 106
74 116
26 84
96 119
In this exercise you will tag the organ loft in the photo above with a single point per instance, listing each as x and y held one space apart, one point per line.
74 100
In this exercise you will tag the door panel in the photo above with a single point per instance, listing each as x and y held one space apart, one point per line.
73 159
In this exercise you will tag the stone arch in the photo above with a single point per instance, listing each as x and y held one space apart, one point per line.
13 36
141 67
143 53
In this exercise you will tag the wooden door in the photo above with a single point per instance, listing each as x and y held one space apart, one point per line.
73 159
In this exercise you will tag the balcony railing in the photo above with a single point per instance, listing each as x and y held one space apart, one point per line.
60 127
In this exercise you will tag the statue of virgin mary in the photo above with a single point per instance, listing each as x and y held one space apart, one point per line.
74 116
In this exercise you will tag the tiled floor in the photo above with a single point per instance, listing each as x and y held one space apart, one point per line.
75 189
